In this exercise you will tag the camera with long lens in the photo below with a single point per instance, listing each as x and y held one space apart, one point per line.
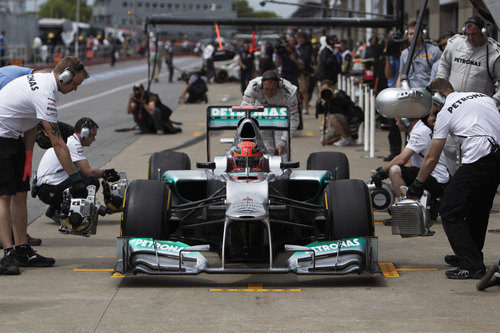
394 44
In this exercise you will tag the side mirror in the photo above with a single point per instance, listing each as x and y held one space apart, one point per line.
205 165
289 165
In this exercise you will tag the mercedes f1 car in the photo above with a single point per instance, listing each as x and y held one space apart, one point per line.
247 211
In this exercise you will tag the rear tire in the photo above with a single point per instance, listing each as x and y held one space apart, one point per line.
349 209
146 209
221 75
167 160
331 161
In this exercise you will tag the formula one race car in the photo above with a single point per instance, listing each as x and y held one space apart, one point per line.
255 212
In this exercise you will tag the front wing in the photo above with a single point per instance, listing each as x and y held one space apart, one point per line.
160 257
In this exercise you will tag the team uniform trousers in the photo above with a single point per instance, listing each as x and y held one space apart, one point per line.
53 194
465 208
12 157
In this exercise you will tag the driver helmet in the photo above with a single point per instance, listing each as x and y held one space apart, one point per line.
247 153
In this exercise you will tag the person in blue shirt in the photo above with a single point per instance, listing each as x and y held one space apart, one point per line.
9 73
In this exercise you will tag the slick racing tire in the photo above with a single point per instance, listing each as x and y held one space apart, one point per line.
349 209
331 161
167 160
221 76
146 209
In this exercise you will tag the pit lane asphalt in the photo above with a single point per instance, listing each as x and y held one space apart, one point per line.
78 294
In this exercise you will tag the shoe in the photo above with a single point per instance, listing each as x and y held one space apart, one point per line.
50 212
160 132
345 142
9 263
453 260
388 221
156 80
463 274
389 158
27 257
33 241
305 111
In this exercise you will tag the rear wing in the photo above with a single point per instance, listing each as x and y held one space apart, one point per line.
228 117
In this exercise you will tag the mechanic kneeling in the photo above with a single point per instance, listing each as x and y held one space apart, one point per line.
52 180
474 121
419 133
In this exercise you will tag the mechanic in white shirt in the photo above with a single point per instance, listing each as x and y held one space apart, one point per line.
271 90
52 179
473 121
419 141
23 103
208 61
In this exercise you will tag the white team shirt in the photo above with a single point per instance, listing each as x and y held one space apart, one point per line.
420 141
50 170
470 118
25 101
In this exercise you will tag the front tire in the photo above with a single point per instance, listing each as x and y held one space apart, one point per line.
349 209
146 209
331 161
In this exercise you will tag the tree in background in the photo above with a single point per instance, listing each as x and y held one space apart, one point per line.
244 10
65 9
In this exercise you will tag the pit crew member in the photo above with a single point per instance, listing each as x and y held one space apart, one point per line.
471 62
23 103
419 133
271 90
52 179
473 121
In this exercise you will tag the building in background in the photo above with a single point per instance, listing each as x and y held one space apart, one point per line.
114 13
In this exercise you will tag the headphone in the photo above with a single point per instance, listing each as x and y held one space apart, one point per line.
437 99
67 75
405 122
425 33
273 77
477 21
86 129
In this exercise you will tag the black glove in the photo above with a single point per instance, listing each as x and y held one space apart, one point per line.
415 190
110 175
78 189
378 176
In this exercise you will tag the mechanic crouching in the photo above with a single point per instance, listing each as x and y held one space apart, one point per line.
419 133
473 121
271 90
52 179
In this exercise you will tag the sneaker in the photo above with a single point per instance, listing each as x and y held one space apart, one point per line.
160 132
9 263
345 142
33 241
305 111
462 274
27 257
453 260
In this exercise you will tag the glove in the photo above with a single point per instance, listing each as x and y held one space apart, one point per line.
379 175
78 188
110 175
415 190
27 164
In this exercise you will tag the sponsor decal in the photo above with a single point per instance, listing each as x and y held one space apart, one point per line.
467 61
51 109
426 56
227 113
247 206
166 247
51 104
52 100
329 246
464 99
32 82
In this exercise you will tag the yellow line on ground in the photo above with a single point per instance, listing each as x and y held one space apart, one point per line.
196 133
309 133
378 222
388 269
117 222
93 269
416 269
255 287
106 257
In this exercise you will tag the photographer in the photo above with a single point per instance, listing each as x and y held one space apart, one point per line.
150 114
344 117
51 179
196 87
